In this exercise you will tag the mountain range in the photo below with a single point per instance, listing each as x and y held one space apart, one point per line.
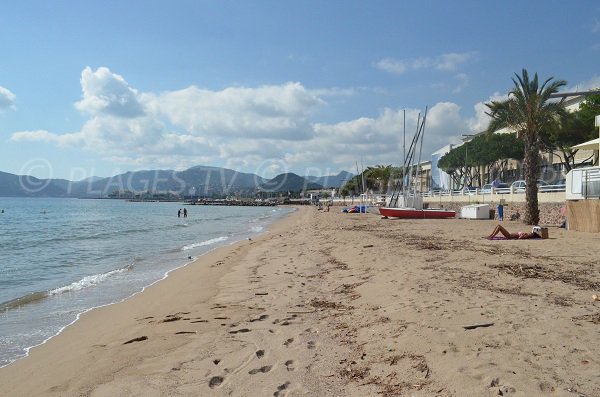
200 180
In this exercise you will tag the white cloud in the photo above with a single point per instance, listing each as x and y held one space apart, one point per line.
266 130
108 93
591 84
379 140
445 62
463 81
444 125
392 66
188 126
481 120
335 92
7 99
280 112
62 140
450 62
38 135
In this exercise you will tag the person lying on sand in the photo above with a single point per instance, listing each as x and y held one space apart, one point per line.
512 236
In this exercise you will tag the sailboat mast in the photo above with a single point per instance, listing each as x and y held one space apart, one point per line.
420 150
404 144
411 157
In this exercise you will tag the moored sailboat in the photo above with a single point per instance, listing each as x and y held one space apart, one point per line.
404 204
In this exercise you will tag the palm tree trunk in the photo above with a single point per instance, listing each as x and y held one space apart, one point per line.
531 170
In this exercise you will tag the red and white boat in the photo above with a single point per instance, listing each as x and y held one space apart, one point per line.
414 213
404 204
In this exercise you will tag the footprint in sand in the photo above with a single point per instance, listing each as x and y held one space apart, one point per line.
215 381
263 369
261 318
243 330
310 345
289 365
171 318
281 390
288 342
260 353
216 361
138 339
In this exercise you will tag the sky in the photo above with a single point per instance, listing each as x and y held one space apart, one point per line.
97 88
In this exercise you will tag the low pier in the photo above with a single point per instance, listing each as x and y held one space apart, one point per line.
231 203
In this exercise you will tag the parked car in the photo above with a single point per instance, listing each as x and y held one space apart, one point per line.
558 185
500 189
519 186
503 188
470 190
486 189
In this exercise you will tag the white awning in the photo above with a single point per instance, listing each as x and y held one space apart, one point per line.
594 144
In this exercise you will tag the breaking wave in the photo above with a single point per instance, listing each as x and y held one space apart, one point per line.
204 243
88 281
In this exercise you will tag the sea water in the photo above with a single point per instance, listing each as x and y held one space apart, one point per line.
62 257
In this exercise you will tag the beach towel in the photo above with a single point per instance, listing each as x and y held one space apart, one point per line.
504 238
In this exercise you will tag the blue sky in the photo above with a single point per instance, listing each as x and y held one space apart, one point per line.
102 87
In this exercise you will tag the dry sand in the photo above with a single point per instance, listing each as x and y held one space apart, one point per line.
331 304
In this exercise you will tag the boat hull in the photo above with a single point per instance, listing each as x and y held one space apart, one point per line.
412 213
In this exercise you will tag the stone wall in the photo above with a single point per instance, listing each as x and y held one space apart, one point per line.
549 212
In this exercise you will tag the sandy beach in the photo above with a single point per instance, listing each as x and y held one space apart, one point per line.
332 304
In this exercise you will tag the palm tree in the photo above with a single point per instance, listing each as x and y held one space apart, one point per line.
378 176
528 112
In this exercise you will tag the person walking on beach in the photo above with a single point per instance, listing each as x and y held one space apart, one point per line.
500 212
179 213
185 212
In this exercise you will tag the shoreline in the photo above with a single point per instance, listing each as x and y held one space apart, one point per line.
49 293
42 355
333 304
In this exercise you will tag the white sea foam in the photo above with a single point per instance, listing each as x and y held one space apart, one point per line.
86 282
106 223
204 243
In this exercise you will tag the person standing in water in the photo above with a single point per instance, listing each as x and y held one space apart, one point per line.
185 212
179 213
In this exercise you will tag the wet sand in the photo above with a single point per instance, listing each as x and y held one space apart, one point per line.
333 304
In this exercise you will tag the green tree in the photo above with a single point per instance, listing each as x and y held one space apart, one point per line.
489 151
571 129
377 178
589 109
528 112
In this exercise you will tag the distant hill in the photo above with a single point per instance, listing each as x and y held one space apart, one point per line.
197 181
289 182
331 181
12 185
